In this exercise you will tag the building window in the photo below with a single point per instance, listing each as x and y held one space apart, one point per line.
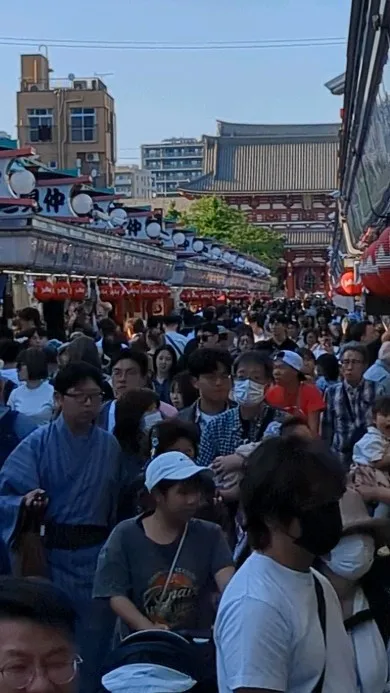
40 124
83 124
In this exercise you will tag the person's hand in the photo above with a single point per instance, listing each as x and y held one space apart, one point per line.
158 626
229 463
368 493
36 500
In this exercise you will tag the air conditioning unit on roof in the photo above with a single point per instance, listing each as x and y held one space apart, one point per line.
92 157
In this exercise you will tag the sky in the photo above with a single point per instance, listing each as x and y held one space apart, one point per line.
161 94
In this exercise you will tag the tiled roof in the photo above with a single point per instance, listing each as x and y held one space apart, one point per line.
265 164
308 237
278 131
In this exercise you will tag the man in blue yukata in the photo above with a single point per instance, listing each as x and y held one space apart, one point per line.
70 466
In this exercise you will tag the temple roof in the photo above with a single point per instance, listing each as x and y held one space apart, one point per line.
273 159
225 129
313 238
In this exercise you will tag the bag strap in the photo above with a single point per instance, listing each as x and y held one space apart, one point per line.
172 568
321 606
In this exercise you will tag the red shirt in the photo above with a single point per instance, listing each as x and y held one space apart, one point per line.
307 400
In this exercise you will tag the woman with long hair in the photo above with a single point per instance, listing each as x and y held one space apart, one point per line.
164 367
136 412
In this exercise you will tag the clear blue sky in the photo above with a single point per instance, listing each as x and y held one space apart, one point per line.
164 94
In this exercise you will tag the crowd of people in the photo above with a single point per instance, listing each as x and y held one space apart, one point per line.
227 470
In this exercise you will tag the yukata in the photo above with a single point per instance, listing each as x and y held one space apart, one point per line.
81 476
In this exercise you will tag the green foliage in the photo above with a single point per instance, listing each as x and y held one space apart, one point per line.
213 217
172 213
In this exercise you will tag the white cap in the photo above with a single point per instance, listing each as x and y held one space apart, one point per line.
170 466
290 358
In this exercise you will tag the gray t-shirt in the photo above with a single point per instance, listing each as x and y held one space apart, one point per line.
132 565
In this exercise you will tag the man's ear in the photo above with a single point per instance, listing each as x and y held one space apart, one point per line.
194 382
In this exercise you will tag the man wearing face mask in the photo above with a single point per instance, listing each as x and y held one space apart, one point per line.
279 627
361 583
251 420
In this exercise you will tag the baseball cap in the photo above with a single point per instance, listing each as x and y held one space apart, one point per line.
290 358
170 466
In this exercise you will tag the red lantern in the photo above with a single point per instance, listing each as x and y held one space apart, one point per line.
62 291
78 291
44 290
111 292
347 284
369 271
383 260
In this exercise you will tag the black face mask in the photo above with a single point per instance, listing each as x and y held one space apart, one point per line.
321 529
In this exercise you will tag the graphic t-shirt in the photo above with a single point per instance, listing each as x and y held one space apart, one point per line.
131 565
307 400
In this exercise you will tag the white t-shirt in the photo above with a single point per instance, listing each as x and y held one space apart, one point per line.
371 448
36 403
10 374
268 633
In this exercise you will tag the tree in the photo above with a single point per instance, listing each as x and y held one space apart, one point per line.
213 217
172 213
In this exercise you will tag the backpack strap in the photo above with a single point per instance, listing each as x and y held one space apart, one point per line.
321 606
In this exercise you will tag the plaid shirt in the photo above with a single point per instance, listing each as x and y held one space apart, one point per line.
341 422
225 433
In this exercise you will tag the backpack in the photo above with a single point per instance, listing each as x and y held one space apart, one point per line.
8 437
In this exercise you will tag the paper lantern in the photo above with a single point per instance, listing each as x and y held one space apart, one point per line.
111 292
78 291
383 260
348 285
44 290
22 182
369 271
82 204
62 291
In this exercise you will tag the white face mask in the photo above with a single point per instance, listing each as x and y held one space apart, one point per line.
248 392
352 557
150 420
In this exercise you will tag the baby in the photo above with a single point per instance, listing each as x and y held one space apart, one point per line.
371 454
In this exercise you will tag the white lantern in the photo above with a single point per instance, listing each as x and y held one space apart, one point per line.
197 246
227 257
216 252
179 238
118 216
153 230
82 204
22 182
241 262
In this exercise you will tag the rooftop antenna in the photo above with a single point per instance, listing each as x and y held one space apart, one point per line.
103 74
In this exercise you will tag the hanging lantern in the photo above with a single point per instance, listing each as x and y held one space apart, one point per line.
62 291
78 291
348 285
111 292
369 271
383 260
22 182
44 290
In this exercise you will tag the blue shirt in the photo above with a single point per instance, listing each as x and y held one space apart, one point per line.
379 373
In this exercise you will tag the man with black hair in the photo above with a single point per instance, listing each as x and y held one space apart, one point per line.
279 340
37 638
171 324
29 319
207 335
129 370
66 477
251 420
210 372
279 626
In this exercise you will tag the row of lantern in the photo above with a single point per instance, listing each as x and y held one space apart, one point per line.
45 290
375 265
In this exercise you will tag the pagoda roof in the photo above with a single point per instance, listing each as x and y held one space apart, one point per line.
274 159
311 238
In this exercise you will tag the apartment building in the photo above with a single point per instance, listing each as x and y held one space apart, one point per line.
173 161
70 122
133 181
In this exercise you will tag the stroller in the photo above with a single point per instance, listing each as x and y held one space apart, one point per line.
161 661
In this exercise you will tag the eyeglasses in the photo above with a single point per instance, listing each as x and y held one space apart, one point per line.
203 338
21 675
85 397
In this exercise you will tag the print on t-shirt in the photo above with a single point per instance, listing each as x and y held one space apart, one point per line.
180 597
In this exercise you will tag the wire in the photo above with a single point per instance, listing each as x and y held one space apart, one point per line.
165 46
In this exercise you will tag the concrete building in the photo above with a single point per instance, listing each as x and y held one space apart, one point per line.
173 162
71 122
133 181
